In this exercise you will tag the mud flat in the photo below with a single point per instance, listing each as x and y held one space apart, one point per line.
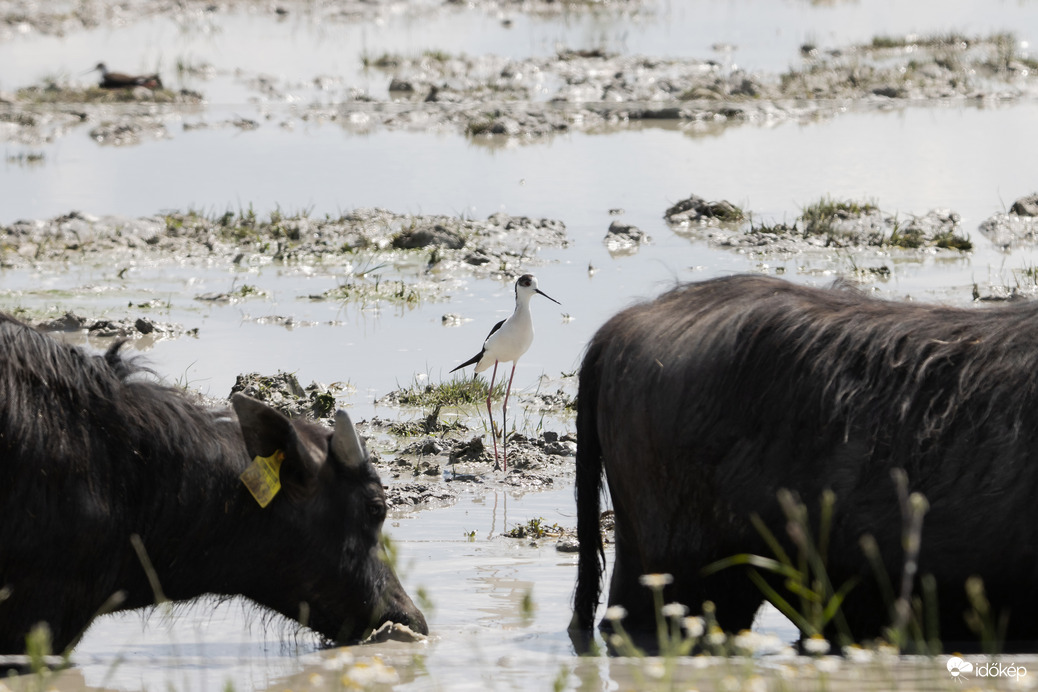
428 463
524 99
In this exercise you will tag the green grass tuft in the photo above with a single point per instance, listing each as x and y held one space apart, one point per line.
952 241
362 291
459 391
820 218
535 528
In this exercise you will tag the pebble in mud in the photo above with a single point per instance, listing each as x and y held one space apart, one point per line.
696 210
434 235
452 319
1025 206
1018 226
283 392
534 462
131 328
406 496
624 239
128 130
568 542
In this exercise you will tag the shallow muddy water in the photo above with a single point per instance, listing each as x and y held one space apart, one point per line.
974 161
314 39
499 605
476 579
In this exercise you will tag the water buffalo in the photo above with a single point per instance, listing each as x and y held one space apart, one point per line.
104 471
699 406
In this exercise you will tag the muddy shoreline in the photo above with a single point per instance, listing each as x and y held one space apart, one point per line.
432 253
428 464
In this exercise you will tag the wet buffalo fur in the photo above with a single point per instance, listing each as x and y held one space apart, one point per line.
94 452
699 406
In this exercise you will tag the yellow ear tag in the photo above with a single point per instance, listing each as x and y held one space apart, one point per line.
263 477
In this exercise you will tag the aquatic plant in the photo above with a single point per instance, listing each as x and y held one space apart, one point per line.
778 229
947 40
373 291
917 234
537 527
910 238
911 604
677 636
820 217
429 425
806 576
952 241
384 61
988 627
458 391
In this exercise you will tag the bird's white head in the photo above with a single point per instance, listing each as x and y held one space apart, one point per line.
526 286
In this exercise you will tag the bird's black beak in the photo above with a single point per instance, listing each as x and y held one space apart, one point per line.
547 296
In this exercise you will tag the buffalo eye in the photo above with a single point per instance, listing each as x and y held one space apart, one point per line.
377 511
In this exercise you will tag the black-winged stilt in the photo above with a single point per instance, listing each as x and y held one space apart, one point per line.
120 80
507 341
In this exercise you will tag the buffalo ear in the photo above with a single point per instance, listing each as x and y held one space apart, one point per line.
266 431
346 444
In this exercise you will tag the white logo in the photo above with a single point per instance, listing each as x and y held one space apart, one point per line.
956 666
991 669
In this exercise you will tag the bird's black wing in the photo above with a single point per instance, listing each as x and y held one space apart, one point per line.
476 358
470 361
494 329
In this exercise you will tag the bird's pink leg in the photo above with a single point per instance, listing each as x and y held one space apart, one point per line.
493 433
504 416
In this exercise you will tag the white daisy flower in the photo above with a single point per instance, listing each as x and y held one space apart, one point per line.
674 610
655 580
694 626
816 645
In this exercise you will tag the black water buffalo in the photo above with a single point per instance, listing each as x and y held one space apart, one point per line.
103 471
701 405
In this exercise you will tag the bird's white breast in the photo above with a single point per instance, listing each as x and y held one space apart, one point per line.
509 342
